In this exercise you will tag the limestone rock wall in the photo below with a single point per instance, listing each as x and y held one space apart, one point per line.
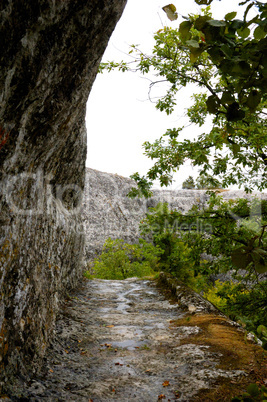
50 52
108 212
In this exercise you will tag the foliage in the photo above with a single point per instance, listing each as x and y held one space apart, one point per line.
254 393
233 232
227 60
243 301
188 183
176 257
207 182
203 182
262 333
221 231
211 294
120 260
143 188
248 305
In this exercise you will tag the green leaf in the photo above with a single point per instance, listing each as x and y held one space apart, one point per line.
230 16
243 32
227 66
215 54
217 23
240 259
253 100
227 97
201 22
242 68
259 259
230 129
260 268
227 50
192 43
236 149
261 252
170 10
234 113
237 24
195 53
259 33
212 104
253 390
262 330
184 30
210 32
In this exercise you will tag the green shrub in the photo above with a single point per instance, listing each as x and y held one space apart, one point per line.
254 393
212 295
189 183
120 260
234 234
242 303
205 181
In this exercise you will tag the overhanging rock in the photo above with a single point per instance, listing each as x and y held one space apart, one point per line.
50 52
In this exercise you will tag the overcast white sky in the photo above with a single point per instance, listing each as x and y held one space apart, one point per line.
120 118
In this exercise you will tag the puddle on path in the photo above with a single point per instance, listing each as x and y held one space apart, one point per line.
115 342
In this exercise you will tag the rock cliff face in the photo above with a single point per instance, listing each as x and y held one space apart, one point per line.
108 212
50 51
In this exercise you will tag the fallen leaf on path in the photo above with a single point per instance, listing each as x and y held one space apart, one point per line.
51 371
166 383
109 326
161 396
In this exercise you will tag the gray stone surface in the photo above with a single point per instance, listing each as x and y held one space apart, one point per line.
117 340
108 212
50 52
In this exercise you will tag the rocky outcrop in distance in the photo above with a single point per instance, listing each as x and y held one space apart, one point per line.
108 212
50 52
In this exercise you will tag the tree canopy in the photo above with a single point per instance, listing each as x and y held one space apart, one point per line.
227 60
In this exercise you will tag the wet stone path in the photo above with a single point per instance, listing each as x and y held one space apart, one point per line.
115 341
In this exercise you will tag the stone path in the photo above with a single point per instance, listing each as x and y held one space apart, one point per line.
117 340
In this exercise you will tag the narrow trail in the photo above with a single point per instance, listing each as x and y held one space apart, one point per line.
116 341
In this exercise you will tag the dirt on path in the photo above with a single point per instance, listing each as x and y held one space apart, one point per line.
121 340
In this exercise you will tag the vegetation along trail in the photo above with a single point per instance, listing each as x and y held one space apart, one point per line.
125 341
